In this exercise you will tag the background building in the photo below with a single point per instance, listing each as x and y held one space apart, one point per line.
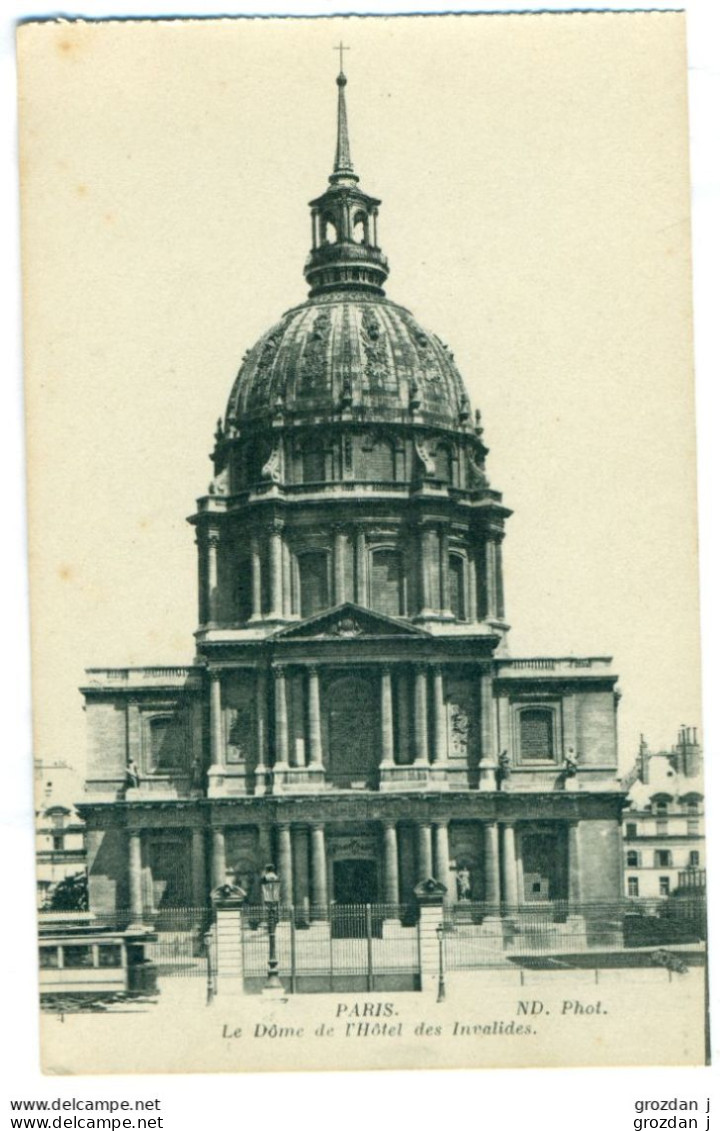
352 713
59 832
664 824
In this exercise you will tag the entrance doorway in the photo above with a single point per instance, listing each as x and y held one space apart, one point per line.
355 889
540 867
355 881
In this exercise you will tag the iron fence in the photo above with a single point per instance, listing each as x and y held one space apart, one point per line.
339 947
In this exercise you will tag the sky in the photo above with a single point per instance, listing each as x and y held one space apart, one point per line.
533 172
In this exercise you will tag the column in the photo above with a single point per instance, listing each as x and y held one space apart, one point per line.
281 720
318 869
261 735
284 855
491 863
443 572
386 716
420 721
213 542
509 867
314 727
574 876
424 852
219 862
286 581
301 868
488 733
499 586
203 615
197 853
391 872
217 738
442 857
403 719
441 739
339 566
264 847
425 549
256 568
491 579
360 568
276 571
135 874
472 596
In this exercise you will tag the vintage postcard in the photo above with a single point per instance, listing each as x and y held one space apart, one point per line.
374 740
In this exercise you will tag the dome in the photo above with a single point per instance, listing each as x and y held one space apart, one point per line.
349 352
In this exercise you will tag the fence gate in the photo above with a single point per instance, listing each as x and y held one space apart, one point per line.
349 947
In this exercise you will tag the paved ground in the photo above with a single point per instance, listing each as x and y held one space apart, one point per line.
488 1019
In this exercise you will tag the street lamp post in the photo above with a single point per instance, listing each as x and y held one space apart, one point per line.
440 930
270 888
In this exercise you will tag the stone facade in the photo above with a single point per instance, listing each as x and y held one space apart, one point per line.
664 823
352 714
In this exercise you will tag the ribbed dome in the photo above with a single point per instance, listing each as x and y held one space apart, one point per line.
347 351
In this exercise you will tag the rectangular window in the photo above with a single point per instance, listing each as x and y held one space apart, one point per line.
663 858
661 828
630 830
386 572
694 859
109 955
633 885
77 957
165 744
49 957
664 885
536 735
693 828
58 843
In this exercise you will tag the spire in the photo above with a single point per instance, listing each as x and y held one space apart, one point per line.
345 254
343 167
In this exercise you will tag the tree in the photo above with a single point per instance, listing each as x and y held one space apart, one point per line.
71 894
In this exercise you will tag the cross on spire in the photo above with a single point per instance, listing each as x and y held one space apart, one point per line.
341 47
343 164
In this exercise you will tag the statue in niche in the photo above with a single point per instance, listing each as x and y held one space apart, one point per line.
239 734
459 730
463 880
196 773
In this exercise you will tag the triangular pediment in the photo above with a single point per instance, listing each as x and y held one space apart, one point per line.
348 622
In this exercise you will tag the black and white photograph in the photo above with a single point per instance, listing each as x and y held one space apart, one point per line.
373 740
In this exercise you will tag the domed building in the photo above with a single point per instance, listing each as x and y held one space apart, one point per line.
352 713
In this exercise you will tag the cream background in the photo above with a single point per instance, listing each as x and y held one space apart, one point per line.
533 174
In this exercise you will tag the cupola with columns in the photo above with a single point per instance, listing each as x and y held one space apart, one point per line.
348 466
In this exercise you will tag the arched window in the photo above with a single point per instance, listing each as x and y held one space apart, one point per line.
386 582
313 464
633 859
377 460
536 735
443 463
164 751
456 581
314 589
360 228
328 231
244 590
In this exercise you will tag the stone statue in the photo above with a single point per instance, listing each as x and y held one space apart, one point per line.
132 775
570 766
463 880
504 768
